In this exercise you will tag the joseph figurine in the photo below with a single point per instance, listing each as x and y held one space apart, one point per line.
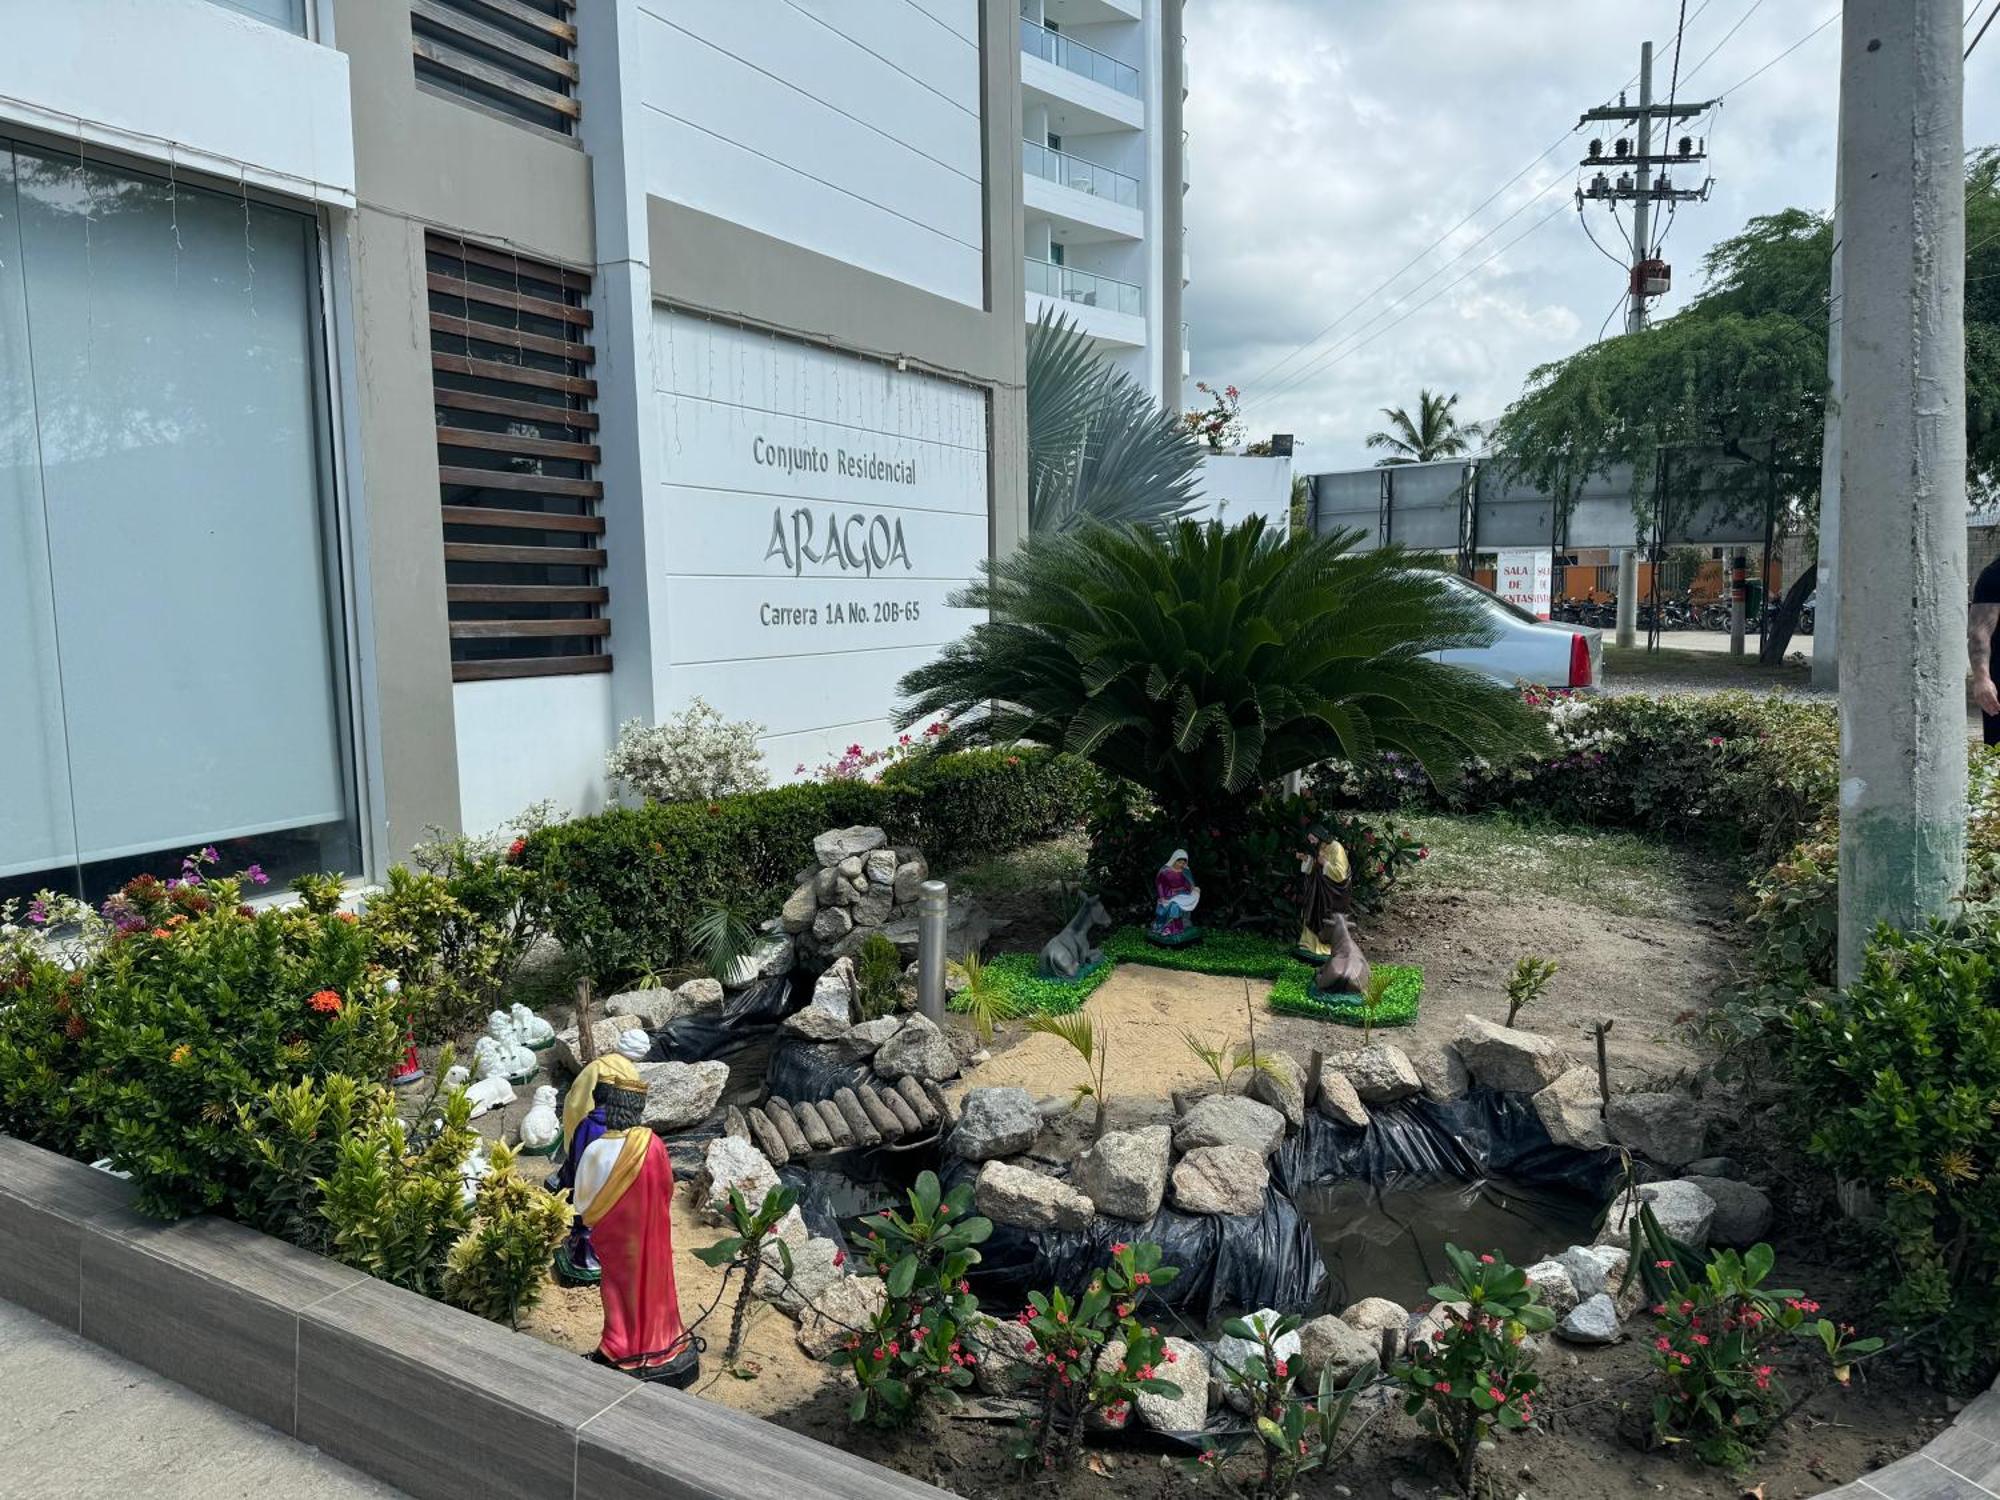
1326 888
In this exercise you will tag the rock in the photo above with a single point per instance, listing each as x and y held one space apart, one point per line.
996 1122
880 867
909 876
1220 1180
918 1050
1663 1128
1685 1213
774 957
850 868
1714 1166
606 1030
1592 1321
816 1025
827 887
1500 1057
1570 1110
1338 1100
1372 1316
966 929
965 1046
864 1040
833 991
1030 1200
815 1268
1230 1120
680 1095
651 1008
1125 1173
1235 1354
1185 1364
1281 1083
1331 1343
1436 1319
799 909
1005 1365
699 994
734 1163
850 1302
1590 1269
1381 1073
873 909
832 924
1551 1279
1441 1071
838 844
1742 1212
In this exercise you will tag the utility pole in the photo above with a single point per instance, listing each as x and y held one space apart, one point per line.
1653 183
1902 467
1826 587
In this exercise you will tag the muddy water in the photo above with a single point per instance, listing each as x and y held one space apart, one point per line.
1389 1242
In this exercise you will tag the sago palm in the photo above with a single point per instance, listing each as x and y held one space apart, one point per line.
1432 434
1204 662
1098 448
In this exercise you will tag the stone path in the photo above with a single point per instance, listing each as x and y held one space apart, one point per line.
1960 1463
82 1424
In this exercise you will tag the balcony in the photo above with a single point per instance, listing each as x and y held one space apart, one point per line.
1084 91
1083 176
1084 203
1073 57
1106 309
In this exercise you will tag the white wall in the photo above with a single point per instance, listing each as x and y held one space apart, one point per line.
1233 489
186 83
527 739
849 127
811 647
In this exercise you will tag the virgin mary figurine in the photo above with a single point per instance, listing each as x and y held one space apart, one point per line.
1174 896
1325 891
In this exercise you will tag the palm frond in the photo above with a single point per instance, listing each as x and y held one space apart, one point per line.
1076 1029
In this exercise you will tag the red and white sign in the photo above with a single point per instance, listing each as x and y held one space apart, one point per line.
1526 578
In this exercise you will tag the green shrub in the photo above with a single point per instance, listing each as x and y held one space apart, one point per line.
42 1007
448 960
395 1202
878 978
499 1268
294 1134
1895 1087
964 803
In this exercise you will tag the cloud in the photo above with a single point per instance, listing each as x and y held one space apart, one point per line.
1331 141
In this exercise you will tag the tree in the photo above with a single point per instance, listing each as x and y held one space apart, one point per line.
1436 432
1098 448
1203 663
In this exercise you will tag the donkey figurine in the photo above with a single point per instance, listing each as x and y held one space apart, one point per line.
1070 952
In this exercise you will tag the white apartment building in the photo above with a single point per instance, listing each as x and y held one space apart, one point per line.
1103 169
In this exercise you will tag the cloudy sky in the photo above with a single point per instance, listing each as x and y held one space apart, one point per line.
1331 141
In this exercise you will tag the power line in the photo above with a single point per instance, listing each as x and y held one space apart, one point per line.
1780 57
1983 26
1707 56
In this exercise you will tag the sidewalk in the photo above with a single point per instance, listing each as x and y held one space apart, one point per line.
81 1424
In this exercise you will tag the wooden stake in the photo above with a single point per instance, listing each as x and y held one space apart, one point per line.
1603 1068
586 1038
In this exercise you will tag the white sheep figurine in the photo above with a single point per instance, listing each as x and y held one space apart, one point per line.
542 1125
533 1032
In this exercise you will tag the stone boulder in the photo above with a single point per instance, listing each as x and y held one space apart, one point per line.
1594 1320
817 1025
701 993
1441 1071
733 1162
1551 1279
1381 1073
1125 1173
1591 1269
831 925
1230 1120
996 1122
1005 1366
681 1095
1685 1213
839 844
1185 1364
1235 1354
1664 1128
816 1264
799 909
850 1302
1571 1111
966 929
918 1050
908 879
1501 1057
1431 1327
774 957
605 1029
1281 1083
1742 1212
1332 1343
1373 1316
1029 1200
1220 1180
651 1008
1714 1166
867 1038
880 866
1338 1101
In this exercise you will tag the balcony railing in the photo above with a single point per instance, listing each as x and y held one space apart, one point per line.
1086 287
1073 57
1074 172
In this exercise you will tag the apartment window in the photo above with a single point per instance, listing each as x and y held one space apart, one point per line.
174 675
288 14
517 463
514 57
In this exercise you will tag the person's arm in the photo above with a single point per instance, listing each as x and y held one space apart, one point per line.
1980 622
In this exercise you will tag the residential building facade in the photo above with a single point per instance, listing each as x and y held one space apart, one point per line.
397 396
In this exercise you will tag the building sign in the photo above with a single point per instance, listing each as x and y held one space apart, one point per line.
1526 578
818 511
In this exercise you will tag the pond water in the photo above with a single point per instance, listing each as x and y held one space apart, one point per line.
1389 1241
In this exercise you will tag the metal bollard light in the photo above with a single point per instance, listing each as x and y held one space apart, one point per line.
933 902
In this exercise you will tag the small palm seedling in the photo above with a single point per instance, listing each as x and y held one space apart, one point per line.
980 998
724 940
1090 1042
745 1248
1223 1062
1525 985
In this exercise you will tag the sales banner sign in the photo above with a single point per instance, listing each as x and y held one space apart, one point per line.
1526 578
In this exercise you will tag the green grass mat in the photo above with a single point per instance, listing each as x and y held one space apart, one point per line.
1233 954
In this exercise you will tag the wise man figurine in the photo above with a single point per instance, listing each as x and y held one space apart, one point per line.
1326 890
583 1122
624 1195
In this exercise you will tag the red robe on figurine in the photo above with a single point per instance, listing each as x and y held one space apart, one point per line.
624 1193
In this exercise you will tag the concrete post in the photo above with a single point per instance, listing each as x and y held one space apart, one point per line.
1739 602
1642 206
1826 606
933 904
1628 597
1902 467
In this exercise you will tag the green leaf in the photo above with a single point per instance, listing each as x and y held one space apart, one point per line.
1757 1262
902 1276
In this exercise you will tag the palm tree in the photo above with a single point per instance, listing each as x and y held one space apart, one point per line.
1203 663
1098 448
1434 434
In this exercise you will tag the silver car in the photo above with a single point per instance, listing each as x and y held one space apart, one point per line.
1524 648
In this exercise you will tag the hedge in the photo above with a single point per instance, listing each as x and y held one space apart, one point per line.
625 887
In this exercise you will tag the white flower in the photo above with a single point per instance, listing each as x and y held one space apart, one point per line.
695 756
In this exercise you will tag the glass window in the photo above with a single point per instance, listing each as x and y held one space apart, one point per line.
290 14
164 548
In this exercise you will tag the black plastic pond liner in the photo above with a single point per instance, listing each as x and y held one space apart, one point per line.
800 1070
721 1033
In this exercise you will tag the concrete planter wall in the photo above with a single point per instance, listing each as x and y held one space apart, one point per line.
422 1396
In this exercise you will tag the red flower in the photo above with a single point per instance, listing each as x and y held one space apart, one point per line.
326 1002
515 850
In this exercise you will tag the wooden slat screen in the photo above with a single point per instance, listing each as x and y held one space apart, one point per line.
514 56
517 463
